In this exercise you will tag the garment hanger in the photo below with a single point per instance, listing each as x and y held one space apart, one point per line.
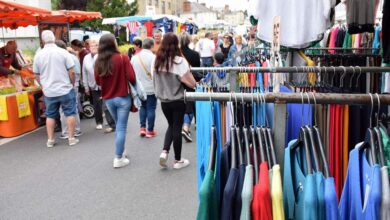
303 140
351 79
254 145
237 136
245 130
260 139
369 140
379 135
312 142
343 76
233 141
213 140
358 78
265 135
317 137
269 135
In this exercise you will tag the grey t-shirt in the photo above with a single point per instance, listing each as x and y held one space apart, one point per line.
167 84
385 208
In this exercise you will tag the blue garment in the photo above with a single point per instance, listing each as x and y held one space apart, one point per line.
321 212
119 108
233 54
361 196
376 42
218 123
229 196
225 169
148 111
294 120
203 126
238 191
300 198
331 200
259 78
132 37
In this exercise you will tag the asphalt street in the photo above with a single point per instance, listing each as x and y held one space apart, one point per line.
79 182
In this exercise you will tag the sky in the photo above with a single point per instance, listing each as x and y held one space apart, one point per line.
234 4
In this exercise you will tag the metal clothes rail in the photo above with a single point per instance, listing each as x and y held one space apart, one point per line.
300 69
320 98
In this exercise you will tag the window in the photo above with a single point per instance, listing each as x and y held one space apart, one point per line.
169 5
150 2
163 7
156 3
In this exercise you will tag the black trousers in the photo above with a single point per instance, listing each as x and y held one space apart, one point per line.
174 113
98 105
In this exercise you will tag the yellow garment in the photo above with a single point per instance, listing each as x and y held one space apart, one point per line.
277 194
311 77
178 28
345 141
353 40
23 104
3 108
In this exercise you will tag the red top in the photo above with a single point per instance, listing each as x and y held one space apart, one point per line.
261 205
149 27
82 54
114 84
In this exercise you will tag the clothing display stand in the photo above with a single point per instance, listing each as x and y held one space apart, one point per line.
280 108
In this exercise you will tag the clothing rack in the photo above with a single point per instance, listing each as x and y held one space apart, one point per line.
340 48
320 98
300 69
280 106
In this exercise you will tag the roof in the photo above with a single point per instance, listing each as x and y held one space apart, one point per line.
197 8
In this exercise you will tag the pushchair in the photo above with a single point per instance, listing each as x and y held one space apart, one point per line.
85 106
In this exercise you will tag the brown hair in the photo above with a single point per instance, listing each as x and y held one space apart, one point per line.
107 48
167 52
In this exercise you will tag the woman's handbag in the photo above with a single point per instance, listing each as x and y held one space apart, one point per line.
137 93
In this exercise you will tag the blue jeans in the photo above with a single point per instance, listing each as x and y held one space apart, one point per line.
119 108
207 61
148 111
188 119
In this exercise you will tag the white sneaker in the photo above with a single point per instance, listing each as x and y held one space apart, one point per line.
73 141
121 162
99 127
163 159
181 164
50 143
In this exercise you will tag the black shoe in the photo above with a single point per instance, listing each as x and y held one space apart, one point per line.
186 135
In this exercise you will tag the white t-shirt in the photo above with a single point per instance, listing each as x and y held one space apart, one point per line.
301 21
141 62
52 64
206 47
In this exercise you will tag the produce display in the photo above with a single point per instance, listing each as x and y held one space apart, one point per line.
24 81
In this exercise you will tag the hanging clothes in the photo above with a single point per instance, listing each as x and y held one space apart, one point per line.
277 194
331 200
208 198
385 203
299 190
247 194
361 197
361 15
262 206
386 31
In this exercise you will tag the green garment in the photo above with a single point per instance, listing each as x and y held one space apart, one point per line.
208 204
247 194
386 146
347 41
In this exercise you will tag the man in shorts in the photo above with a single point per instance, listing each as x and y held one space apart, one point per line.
54 69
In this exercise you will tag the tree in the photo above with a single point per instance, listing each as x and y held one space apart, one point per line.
133 8
71 4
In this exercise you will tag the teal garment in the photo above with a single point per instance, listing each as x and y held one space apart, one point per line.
300 198
208 198
247 194
320 184
386 146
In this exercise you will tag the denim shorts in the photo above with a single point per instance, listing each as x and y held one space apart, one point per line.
67 102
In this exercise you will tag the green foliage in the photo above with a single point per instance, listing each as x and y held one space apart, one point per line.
54 4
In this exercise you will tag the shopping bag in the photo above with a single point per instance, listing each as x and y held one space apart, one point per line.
3 108
23 104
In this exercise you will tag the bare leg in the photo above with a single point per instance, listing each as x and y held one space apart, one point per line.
71 121
50 124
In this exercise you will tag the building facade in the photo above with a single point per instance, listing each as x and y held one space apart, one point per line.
198 12
157 7
235 18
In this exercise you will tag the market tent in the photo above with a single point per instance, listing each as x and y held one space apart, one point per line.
12 9
71 16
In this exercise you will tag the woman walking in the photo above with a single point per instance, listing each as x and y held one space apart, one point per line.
170 72
112 68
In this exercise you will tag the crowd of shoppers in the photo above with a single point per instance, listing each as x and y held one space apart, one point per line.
159 65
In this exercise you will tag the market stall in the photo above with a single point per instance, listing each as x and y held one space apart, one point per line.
145 26
21 98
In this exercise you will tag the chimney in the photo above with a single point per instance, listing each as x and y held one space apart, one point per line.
186 6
